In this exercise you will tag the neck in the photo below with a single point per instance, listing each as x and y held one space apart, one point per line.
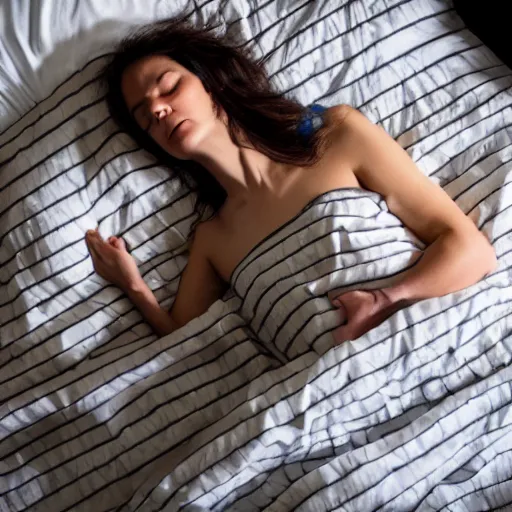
240 171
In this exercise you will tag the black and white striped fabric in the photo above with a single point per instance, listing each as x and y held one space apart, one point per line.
98 414
331 244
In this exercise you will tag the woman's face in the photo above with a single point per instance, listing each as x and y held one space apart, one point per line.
169 103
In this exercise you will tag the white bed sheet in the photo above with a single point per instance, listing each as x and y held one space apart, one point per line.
96 413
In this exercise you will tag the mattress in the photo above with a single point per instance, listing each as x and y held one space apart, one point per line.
97 413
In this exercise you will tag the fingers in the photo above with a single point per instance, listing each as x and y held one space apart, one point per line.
342 310
117 243
346 298
99 248
360 312
342 334
333 294
94 242
93 237
120 244
336 302
90 242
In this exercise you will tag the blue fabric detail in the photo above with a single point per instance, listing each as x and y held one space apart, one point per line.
311 121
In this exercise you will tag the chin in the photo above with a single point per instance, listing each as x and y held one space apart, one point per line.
183 145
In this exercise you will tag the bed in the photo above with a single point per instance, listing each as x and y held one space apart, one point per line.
96 413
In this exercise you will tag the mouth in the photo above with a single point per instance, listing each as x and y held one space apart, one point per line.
175 128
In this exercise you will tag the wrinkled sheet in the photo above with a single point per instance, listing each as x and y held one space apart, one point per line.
98 414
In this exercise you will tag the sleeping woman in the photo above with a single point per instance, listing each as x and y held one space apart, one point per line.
257 158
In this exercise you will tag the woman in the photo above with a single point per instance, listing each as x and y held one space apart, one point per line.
191 99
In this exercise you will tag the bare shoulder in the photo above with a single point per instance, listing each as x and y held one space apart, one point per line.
345 131
337 115
341 118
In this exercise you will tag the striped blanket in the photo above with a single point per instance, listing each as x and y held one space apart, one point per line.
330 245
249 407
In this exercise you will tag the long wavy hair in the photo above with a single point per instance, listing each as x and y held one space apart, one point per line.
235 81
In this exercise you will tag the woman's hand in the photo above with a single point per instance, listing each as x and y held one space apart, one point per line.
112 261
362 310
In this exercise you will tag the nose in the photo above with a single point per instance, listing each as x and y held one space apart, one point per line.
160 109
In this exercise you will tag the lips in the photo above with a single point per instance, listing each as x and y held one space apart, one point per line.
174 129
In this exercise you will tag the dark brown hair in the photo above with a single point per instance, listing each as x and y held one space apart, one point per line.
236 82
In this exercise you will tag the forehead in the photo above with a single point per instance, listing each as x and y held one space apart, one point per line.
140 75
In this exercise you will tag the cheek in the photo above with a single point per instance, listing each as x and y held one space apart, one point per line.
198 100
158 134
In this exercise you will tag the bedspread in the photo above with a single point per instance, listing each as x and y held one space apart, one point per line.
249 407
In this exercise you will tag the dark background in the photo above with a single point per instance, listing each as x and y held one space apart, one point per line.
489 20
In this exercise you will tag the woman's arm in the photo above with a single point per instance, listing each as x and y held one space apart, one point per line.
199 286
452 262
144 300
458 254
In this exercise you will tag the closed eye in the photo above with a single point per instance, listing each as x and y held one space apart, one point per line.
173 88
151 118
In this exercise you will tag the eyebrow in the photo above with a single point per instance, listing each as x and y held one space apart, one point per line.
141 102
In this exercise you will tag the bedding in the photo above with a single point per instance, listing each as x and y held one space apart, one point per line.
283 282
96 413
